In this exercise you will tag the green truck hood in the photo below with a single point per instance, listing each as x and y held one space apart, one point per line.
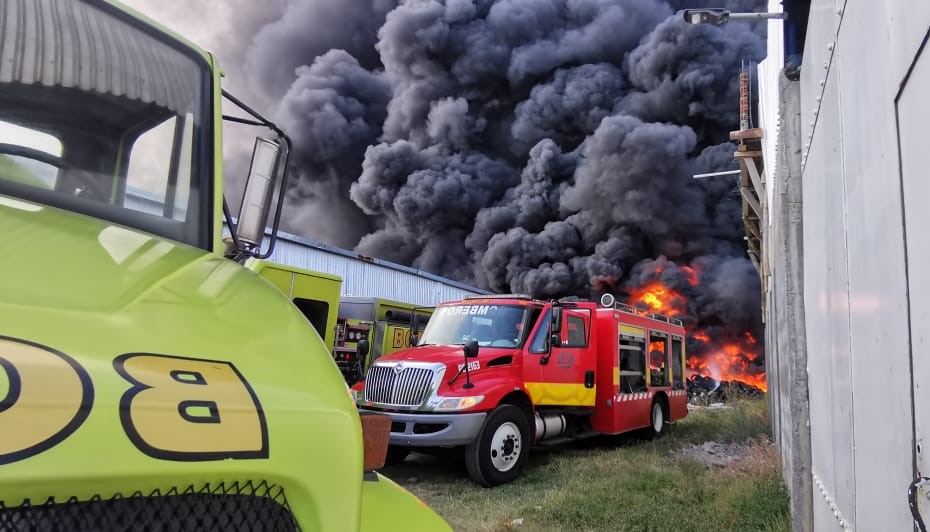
61 261
98 295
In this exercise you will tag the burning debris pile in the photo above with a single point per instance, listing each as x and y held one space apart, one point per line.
724 357
705 390
532 146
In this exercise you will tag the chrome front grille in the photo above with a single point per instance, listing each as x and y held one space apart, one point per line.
409 386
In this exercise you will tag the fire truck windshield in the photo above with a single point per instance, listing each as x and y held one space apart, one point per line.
490 325
104 116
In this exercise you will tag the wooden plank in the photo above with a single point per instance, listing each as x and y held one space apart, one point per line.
747 154
747 134
749 165
752 201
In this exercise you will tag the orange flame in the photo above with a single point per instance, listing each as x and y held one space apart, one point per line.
659 299
690 275
727 361
700 335
657 354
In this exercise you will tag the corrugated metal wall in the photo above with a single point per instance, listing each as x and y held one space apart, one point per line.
361 277
370 277
862 282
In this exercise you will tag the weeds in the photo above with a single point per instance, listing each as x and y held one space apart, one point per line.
622 483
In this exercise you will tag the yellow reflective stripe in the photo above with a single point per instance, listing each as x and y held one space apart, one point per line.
616 376
560 393
636 331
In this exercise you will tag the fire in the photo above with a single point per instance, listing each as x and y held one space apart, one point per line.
724 359
690 275
659 299
701 336
656 354
727 361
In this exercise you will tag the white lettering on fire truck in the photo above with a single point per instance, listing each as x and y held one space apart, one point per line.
466 310
472 366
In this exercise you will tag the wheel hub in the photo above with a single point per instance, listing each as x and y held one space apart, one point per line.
506 446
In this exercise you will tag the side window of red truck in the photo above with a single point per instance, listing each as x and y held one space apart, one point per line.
576 331
540 343
677 370
658 359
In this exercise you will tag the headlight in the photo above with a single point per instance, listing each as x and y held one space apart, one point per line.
356 394
458 403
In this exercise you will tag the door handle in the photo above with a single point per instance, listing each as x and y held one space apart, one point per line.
917 494
589 379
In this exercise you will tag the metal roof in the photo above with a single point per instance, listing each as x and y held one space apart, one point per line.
370 277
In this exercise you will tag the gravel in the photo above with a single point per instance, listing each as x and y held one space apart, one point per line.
714 453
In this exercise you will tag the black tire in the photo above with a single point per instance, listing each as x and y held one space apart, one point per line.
657 419
396 455
499 452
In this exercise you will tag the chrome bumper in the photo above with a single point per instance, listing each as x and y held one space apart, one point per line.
433 430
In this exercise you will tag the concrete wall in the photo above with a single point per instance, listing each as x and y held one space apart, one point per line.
786 348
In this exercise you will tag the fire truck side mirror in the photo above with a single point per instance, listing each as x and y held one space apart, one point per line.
555 340
259 192
556 326
471 349
413 339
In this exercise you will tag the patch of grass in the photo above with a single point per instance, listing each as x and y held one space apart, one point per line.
738 421
621 483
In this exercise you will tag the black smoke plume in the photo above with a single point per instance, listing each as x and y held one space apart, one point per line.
538 146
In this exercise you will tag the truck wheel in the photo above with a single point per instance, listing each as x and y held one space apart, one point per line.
656 419
396 455
498 454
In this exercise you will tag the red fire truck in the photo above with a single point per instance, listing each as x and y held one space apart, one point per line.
500 374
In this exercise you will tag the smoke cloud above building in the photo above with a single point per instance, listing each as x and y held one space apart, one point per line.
537 146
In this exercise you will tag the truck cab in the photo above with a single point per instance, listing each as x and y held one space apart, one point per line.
148 380
500 374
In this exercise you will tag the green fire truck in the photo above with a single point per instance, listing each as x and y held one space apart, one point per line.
358 330
148 380
384 326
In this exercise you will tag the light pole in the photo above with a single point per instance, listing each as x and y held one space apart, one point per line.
718 16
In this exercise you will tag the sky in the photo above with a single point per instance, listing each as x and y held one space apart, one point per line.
210 25
217 26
